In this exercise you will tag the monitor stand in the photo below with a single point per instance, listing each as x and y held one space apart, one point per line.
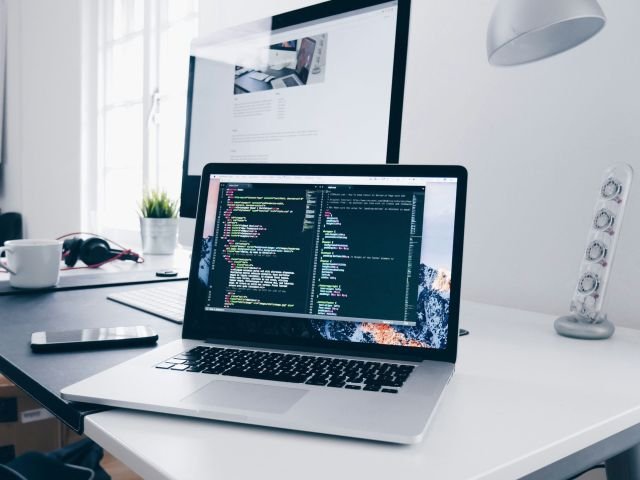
186 232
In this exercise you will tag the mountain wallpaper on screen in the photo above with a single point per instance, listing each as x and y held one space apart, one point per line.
430 330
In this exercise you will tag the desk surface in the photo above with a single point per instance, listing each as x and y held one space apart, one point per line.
44 375
248 84
522 398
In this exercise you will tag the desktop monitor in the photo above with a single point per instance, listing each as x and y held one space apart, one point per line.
290 45
322 84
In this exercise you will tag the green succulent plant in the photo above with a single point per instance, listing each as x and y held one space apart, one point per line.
157 204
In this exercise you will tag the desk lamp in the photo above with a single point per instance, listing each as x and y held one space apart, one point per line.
523 31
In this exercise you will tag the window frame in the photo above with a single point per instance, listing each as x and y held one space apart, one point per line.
96 70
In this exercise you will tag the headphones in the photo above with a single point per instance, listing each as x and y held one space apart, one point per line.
94 252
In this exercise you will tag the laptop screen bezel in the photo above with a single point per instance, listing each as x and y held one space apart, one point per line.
200 324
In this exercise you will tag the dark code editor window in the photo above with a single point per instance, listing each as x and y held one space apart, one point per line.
318 251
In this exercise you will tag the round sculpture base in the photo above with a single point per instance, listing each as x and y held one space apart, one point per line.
577 327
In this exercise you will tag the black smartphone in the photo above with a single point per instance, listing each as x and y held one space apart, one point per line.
92 338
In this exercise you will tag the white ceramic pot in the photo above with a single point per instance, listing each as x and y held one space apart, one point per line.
159 235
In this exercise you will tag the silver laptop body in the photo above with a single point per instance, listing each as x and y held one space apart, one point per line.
315 262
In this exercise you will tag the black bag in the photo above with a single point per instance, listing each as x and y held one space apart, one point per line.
78 461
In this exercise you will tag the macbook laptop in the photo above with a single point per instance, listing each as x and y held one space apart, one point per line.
303 65
321 298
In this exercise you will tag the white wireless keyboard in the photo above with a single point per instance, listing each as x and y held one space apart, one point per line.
166 301
258 76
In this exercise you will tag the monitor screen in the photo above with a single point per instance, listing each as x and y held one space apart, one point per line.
334 258
290 46
322 84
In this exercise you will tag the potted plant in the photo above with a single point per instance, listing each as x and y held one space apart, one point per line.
158 223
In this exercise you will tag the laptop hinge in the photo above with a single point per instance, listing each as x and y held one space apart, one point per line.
307 349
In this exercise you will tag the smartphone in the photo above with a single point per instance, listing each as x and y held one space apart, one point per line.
92 338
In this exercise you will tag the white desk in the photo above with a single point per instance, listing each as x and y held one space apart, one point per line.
522 398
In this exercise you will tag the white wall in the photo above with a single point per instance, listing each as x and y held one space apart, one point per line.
41 174
11 169
535 140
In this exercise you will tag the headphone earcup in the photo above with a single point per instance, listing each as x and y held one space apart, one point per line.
95 250
71 250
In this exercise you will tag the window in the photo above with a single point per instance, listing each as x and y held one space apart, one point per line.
141 86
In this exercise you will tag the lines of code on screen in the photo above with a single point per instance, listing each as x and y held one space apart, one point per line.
337 252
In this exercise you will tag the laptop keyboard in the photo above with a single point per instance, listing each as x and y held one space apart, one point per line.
291 368
290 82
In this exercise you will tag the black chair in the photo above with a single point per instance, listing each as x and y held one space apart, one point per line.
10 227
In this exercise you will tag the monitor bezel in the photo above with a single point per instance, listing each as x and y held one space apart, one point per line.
198 322
190 183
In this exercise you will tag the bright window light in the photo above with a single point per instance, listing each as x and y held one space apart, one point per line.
142 73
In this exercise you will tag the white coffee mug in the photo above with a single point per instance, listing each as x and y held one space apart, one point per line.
32 263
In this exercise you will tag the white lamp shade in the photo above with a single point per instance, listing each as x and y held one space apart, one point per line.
522 31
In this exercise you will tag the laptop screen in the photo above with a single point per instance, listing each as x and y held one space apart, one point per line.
359 259
305 55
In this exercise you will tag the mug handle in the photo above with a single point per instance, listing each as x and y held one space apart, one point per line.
4 264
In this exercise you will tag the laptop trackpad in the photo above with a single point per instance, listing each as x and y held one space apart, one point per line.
245 396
